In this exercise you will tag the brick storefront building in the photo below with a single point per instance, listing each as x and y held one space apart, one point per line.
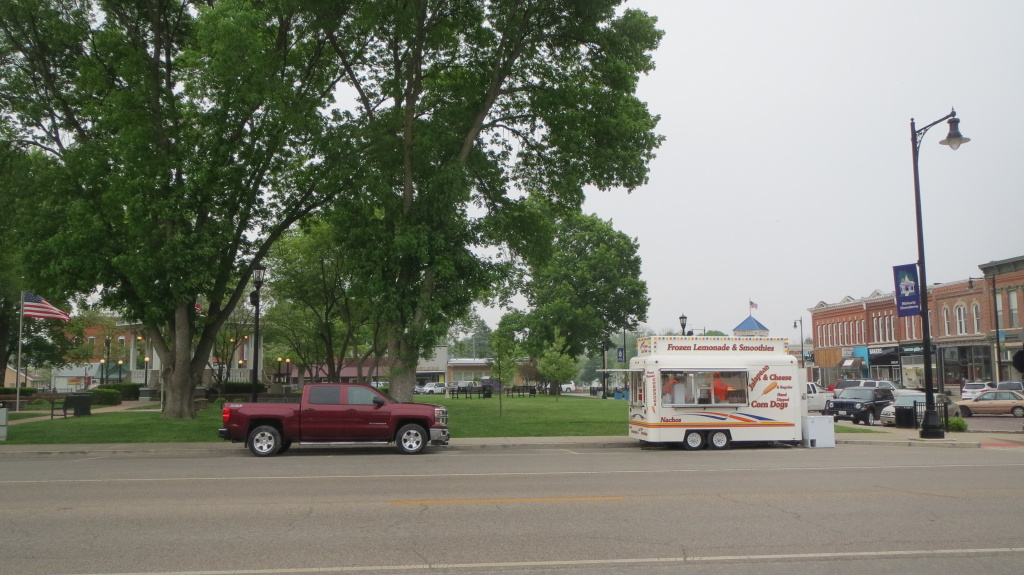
864 337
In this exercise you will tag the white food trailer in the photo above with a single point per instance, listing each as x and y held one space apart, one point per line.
712 391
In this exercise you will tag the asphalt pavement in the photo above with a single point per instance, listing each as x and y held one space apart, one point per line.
886 436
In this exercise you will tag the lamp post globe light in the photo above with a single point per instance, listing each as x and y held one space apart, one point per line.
931 427
259 273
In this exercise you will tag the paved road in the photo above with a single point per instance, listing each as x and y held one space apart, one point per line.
568 511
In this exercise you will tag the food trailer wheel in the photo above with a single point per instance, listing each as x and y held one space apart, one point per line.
718 439
693 440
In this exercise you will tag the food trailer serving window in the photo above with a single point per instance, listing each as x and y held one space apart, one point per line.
703 387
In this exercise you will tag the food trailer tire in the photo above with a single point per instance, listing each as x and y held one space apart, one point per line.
693 440
719 439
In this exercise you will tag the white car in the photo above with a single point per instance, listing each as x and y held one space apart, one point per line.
431 387
972 389
912 399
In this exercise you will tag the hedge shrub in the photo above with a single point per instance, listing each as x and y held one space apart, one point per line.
235 387
129 391
101 396
25 391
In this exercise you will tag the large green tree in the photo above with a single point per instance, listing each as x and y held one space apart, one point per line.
588 290
315 280
187 136
462 107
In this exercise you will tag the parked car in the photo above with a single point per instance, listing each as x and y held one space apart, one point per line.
431 387
879 383
567 387
972 389
994 402
1011 386
859 404
888 416
816 397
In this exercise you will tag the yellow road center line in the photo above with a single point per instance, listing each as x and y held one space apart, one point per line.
530 500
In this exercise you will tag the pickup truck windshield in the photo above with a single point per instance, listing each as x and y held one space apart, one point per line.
862 393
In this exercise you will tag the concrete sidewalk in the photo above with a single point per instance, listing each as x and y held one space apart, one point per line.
886 436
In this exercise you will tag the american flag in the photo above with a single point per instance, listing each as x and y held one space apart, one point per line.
752 305
35 306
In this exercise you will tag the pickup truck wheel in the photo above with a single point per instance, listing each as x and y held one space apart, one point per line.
693 440
265 441
411 439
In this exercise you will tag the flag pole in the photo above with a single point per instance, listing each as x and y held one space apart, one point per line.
17 371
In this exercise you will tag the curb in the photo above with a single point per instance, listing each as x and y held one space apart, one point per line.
466 445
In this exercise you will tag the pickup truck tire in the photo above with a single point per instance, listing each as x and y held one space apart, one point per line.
264 441
411 439
693 440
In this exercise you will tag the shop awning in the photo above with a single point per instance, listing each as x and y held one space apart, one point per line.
851 363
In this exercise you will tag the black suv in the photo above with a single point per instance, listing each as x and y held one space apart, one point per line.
859 404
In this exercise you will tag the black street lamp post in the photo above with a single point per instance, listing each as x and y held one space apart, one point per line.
103 371
259 273
931 427
682 323
120 370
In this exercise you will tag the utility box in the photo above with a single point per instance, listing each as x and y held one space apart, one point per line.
818 431
3 424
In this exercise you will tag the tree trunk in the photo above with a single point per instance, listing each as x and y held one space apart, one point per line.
182 382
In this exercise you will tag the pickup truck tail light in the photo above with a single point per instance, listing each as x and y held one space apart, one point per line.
225 414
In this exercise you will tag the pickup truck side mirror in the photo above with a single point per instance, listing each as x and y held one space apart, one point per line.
379 402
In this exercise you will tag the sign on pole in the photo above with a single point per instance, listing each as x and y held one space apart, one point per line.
908 290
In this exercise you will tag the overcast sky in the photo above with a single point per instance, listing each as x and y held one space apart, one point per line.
786 175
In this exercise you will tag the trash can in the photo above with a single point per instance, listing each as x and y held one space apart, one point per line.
83 404
487 391
905 416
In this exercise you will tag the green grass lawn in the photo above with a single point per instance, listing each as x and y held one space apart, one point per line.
118 427
540 416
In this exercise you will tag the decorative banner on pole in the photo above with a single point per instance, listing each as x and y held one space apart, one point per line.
908 294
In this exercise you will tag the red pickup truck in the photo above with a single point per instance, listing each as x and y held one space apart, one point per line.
335 413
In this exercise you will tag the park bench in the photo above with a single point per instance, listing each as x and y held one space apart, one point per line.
80 404
521 390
